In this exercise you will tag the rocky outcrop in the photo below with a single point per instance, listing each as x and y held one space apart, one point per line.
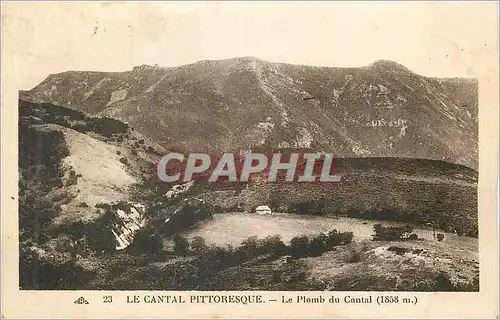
128 221
189 212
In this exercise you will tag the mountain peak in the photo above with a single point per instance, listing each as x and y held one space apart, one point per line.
388 65
146 68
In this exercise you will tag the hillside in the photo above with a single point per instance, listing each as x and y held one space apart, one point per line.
92 208
72 166
423 192
381 110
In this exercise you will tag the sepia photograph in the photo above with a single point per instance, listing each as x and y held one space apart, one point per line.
266 147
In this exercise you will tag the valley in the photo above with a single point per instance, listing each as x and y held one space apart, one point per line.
92 207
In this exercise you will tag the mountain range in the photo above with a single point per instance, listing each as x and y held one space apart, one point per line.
380 110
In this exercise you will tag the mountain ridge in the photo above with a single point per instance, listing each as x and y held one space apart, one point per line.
382 109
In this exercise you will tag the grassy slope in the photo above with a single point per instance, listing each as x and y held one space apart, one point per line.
409 190
415 266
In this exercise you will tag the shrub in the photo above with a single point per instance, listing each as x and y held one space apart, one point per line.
107 126
440 236
335 238
396 233
83 205
198 245
413 236
99 235
398 250
147 241
181 245
102 205
346 237
318 245
443 283
72 179
249 246
299 245
315 207
273 245
353 256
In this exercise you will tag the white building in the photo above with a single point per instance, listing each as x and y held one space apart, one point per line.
263 210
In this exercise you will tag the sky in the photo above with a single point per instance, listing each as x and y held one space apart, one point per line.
443 39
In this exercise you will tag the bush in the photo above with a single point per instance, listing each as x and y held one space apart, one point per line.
232 208
318 245
398 250
443 283
303 246
314 207
198 245
102 205
83 205
147 241
249 246
397 233
335 238
72 179
273 245
107 126
353 256
299 246
440 236
413 236
181 245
